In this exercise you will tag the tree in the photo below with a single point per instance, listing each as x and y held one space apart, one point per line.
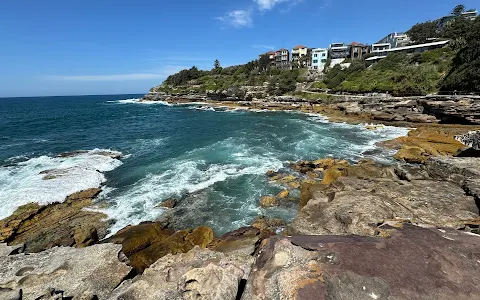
216 64
264 63
420 32
465 72
458 10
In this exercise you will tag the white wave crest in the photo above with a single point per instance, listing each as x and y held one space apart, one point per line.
187 175
48 179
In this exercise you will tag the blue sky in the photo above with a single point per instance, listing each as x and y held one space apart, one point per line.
58 47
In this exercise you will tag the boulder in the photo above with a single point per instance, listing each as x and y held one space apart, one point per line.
268 201
283 194
198 274
147 242
411 154
87 273
242 241
169 203
354 206
268 226
412 263
56 224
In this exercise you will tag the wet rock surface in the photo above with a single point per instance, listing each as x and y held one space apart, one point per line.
62 271
412 263
57 224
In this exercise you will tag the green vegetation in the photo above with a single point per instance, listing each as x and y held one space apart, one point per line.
254 73
465 73
454 27
454 68
399 74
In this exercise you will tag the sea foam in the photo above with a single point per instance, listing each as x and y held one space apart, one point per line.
48 179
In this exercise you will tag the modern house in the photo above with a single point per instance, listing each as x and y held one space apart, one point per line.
338 50
319 58
380 47
380 54
396 39
358 50
282 59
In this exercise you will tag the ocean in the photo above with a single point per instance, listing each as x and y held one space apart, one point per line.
213 159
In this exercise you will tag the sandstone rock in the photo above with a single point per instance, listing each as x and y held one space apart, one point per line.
412 154
198 274
57 224
355 206
456 169
85 236
268 226
411 172
353 267
147 242
6 250
268 201
169 203
283 194
238 242
79 273
421 118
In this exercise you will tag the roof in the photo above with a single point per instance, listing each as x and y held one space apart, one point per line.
270 52
283 49
417 46
299 47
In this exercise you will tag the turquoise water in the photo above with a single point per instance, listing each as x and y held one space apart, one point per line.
214 160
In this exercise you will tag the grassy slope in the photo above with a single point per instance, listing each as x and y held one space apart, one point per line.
400 74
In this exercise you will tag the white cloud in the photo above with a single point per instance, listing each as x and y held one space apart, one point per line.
269 4
153 74
238 18
263 47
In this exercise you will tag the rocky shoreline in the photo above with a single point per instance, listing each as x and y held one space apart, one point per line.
363 231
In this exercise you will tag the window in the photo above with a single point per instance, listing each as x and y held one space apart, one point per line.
315 55
315 61
324 54
324 60
315 67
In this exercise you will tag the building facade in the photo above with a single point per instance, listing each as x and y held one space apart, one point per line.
396 39
319 58
358 50
408 49
338 50
380 47
282 59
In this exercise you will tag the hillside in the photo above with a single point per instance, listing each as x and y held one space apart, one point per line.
454 68
399 74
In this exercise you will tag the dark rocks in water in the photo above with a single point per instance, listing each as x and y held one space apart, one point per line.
169 203
145 243
409 264
56 224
